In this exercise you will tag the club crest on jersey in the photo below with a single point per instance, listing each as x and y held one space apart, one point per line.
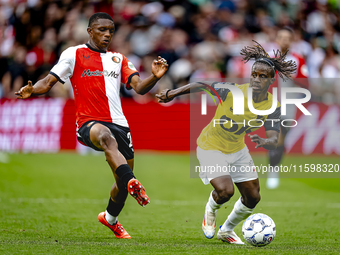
116 59
88 73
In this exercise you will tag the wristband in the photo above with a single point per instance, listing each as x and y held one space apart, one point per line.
166 94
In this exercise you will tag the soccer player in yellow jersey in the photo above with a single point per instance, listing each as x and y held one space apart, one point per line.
221 143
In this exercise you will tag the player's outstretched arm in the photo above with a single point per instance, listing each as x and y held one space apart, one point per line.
269 143
158 68
167 95
41 87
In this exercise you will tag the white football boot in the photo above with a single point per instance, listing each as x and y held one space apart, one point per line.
209 224
229 237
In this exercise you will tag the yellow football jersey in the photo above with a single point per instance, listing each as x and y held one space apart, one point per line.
226 131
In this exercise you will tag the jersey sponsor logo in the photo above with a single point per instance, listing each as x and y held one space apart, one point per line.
86 57
88 73
116 59
131 66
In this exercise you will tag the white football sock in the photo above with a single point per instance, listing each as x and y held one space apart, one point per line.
273 174
239 213
110 219
212 206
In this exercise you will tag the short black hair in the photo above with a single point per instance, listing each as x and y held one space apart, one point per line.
99 15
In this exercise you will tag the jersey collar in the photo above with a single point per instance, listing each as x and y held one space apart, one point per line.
96 50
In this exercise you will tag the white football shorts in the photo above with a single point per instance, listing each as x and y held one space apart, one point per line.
238 165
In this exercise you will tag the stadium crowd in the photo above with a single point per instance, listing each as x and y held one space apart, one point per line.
200 39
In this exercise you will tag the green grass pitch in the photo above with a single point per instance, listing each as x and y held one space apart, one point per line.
49 205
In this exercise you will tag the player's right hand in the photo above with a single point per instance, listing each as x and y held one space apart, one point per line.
163 96
25 92
258 140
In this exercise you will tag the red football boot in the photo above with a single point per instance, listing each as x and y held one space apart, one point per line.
117 228
136 189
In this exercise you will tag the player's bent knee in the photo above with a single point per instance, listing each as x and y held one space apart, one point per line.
107 141
224 194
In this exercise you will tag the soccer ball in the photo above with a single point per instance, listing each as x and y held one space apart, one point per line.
259 229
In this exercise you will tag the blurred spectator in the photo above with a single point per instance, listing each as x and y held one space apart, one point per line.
16 75
200 39
315 58
43 53
330 71
143 39
318 18
299 45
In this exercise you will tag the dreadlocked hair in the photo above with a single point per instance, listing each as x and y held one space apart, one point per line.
283 68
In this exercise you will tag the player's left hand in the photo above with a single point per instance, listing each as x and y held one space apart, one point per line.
258 140
159 67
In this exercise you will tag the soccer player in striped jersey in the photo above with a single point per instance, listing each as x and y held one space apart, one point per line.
222 144
96 75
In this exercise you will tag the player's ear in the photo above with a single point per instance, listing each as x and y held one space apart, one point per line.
89 31
272 80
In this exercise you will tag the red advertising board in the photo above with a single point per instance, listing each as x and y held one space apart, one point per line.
48 125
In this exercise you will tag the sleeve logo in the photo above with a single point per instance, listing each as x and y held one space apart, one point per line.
131 66
116 59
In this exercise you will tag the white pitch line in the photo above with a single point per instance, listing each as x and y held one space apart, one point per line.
333 205
161 202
